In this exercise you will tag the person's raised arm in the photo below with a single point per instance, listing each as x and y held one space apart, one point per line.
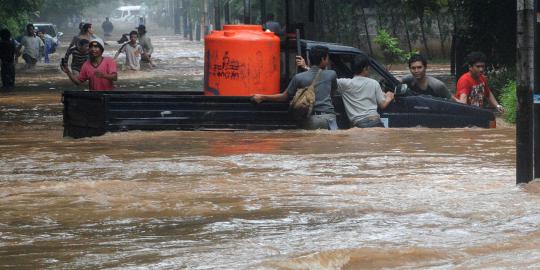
301 63
119 51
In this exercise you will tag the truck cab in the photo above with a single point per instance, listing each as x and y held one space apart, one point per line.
341 58
406 110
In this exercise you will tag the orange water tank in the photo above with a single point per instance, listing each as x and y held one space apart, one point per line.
241 60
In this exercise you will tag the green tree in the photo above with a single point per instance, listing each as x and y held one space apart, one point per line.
17 13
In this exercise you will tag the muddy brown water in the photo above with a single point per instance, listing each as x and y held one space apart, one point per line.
354 199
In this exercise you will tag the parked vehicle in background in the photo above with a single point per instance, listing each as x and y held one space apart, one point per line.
49 29
128 14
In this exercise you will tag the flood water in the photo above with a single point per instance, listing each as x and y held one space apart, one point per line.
355 199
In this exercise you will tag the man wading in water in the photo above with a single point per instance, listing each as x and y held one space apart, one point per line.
421 84
98 70
323 116
472 87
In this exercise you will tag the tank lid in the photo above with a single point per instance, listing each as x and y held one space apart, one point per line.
248 27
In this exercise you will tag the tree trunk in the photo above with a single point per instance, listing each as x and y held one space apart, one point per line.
441 35
203 20
227 11
367 30
407 33
185 20
424 39
394 22
247 11
176 17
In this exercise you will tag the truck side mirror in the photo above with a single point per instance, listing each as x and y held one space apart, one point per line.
401 89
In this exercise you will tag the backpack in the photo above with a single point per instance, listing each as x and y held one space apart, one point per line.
301 105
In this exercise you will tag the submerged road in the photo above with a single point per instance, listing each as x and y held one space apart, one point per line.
355 199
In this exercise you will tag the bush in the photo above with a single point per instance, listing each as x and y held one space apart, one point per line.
499 79
509 101
389 46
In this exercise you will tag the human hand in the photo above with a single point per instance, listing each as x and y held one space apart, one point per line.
257 98
500 108
300 62
65 69
389 95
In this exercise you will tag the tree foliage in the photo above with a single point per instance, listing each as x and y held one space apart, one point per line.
14 14
489 26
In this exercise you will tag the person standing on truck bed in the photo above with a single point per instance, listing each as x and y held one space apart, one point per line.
100 71
472 87
421 84
323 116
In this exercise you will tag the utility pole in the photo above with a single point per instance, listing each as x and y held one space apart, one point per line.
526 21
536 97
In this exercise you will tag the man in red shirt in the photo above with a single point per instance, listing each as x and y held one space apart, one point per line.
472 88
100 71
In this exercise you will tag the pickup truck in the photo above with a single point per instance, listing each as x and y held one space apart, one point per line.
97 112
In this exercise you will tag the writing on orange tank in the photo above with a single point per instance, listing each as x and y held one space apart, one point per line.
241 60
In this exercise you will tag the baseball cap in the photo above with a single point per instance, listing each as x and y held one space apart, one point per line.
97 42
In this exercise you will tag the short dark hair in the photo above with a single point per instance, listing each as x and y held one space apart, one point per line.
85 27
360 62
133 33
30 25
317 54
83 42
417 58
5 34
475 57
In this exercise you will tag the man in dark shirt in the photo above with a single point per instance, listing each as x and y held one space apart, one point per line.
323 116
7 57
107 27
421 84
